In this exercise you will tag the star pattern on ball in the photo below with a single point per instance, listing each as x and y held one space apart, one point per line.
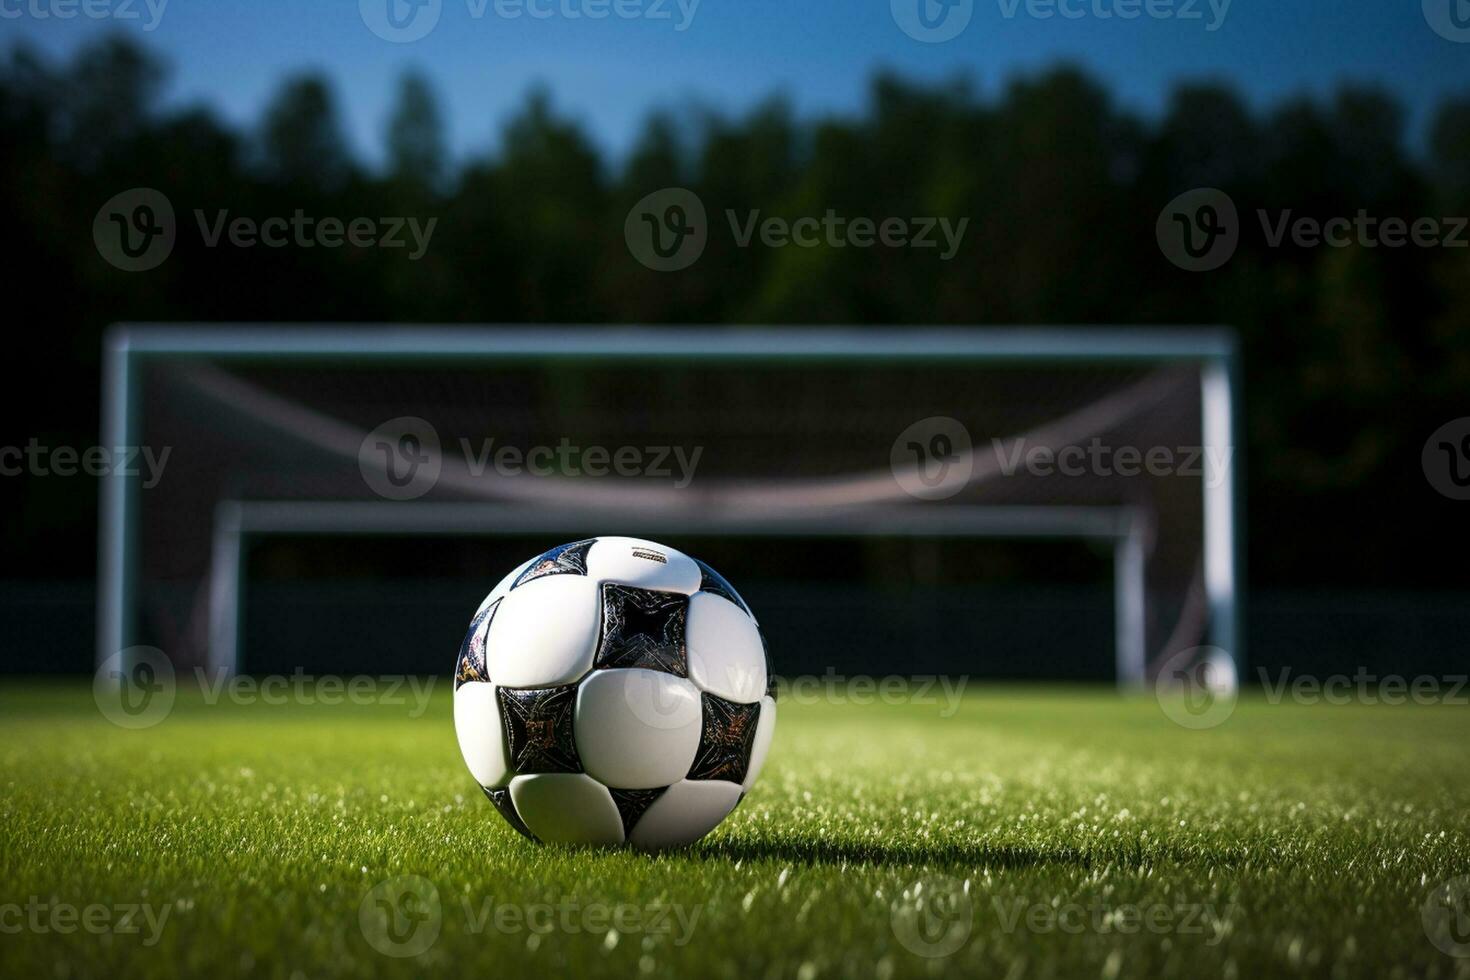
566 559
471 665
714 583
506 806
538 729
726 739
643 629
633 803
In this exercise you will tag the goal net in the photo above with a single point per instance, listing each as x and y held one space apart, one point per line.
1011 503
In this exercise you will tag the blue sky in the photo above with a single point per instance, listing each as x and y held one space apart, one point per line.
607 72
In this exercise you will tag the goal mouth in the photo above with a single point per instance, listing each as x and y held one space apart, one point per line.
753 433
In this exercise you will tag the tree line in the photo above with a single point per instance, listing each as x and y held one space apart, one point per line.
1355 349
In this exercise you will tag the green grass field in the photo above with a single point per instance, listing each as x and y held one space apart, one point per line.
1065 833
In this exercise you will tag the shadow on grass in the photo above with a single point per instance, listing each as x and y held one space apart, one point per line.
792 849
800 850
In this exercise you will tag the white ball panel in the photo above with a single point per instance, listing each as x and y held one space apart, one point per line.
622 560
503 587
637 729
481 738
545 633
765 730
726 657
689 809
567 808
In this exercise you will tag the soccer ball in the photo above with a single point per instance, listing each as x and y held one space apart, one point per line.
614 690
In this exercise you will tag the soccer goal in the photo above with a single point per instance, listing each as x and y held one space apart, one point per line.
1125 439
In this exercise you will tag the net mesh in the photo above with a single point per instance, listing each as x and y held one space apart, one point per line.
776 439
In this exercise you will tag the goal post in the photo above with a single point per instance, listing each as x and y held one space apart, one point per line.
800 431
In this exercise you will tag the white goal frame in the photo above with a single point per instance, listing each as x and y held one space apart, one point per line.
1213 349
